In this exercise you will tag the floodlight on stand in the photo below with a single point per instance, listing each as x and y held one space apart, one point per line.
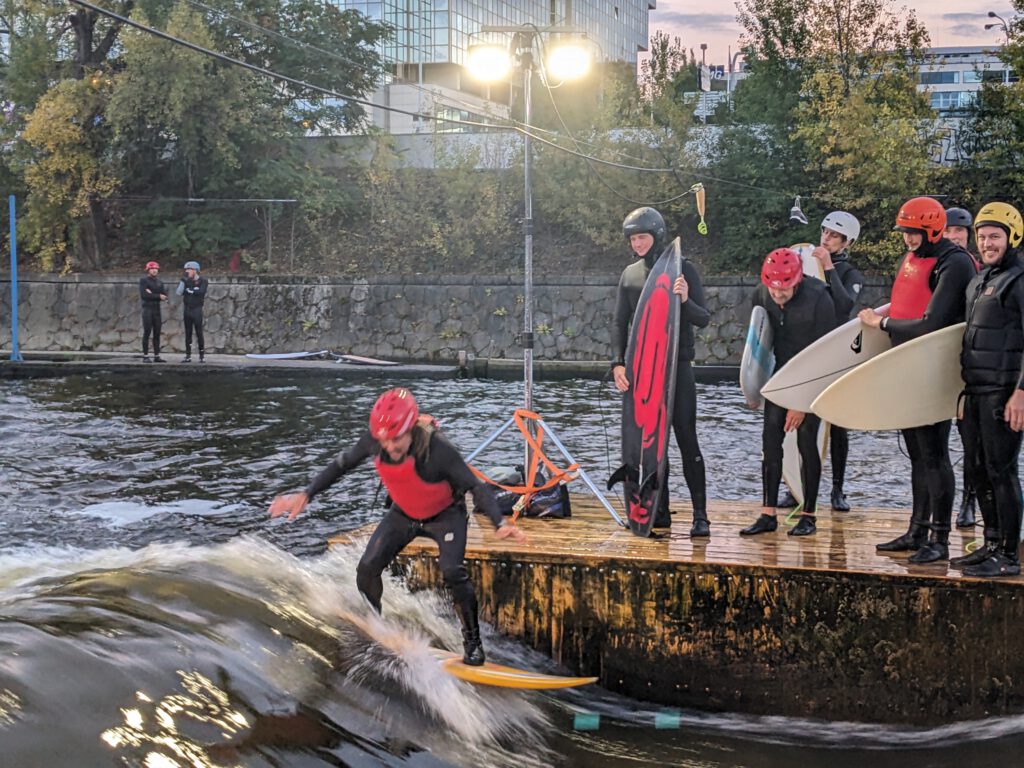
488 63
795 214
568 61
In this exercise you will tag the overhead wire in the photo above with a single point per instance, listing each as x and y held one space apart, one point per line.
511 124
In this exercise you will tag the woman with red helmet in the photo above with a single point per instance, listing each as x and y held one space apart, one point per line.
152 292
800 311
427 480
927 295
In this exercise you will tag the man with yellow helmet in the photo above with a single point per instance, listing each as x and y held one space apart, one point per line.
992 365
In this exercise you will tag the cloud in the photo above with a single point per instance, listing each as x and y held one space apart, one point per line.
703 21
965 17
974 31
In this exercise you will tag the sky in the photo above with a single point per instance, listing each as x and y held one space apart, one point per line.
949 22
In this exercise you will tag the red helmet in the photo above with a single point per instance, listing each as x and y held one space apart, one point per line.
394 414
152 265
922 214
782 268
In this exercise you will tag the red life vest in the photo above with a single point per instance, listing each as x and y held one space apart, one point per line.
912 290
419 499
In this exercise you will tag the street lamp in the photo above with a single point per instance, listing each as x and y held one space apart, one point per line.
567 60
1002 23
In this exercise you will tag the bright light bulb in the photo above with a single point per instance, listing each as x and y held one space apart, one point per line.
568 61
488 62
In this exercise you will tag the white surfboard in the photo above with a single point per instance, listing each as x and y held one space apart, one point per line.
758 360
791 462
911 385
802 379
811 266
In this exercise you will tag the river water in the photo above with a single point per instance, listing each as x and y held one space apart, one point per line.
152 615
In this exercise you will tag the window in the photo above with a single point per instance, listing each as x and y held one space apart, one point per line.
941 77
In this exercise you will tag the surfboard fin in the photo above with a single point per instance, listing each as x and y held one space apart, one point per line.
625 473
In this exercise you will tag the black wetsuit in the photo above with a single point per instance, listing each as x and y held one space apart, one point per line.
447 528
804 319
932 482
844 284
193 293
992 365
150 291
684 412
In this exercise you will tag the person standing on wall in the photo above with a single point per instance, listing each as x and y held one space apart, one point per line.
839 231
152 292
647 236
192 289
958 229
992 366
927 295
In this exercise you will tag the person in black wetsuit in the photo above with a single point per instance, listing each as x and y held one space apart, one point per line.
427 480
152 292
839 231
958 229
992 366
927 295
647 235
800 311
192 288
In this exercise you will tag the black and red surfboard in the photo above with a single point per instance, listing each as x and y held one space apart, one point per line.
647 406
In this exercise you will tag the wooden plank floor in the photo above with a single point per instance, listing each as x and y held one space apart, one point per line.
845 542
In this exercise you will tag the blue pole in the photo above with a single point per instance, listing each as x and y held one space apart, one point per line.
15 352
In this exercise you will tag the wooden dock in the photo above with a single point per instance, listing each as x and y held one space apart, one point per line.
819 626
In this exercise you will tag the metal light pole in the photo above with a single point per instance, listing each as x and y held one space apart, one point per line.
1002 23
526 63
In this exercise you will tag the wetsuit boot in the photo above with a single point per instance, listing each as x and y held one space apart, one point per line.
786 500
936 549
805 526
911 541
701 527
966 518
472 648
981 554
663 517
839 502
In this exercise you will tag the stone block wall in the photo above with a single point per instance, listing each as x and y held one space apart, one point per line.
416 318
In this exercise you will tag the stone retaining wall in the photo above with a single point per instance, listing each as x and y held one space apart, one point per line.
418 318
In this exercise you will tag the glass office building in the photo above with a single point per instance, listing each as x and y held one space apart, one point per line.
432 37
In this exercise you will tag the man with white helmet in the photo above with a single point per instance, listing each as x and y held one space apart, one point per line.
839 231
192 289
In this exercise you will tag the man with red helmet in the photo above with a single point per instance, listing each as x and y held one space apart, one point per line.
927 295
800 311
152 292
427 480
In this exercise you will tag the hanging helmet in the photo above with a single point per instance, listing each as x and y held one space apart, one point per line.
958 217
922 214
844 223
192 265
394 414
782 268
152 265
645 220
1001 215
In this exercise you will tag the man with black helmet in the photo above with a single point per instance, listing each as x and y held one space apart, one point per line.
992 366
192 289
927 295
958 229
839 231
647 235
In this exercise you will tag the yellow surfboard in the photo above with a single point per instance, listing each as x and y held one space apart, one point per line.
451 662
504 677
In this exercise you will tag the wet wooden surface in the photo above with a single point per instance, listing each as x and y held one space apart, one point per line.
845 541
